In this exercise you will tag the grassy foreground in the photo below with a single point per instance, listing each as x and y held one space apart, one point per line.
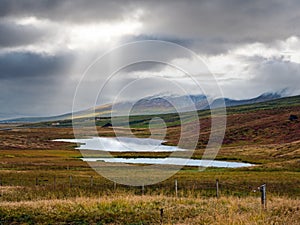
45 182
132 209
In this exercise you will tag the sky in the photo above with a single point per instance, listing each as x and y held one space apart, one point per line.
46 47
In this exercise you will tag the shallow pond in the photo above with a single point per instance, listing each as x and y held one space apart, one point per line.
125 144
171 161
122 144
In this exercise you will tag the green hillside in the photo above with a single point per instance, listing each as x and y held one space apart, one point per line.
173 119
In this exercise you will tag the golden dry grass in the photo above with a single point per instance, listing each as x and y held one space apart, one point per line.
130 209
265 137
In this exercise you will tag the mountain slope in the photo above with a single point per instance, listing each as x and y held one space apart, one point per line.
231 102
152 105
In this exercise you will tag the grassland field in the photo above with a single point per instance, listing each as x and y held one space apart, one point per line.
46 182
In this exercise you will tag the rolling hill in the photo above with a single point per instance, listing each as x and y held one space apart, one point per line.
151 105
259 123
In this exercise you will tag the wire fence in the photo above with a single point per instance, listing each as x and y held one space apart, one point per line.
58 186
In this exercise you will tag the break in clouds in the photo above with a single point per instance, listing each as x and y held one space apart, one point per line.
251 47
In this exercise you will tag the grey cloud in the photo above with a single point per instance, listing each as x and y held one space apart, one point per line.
277 75
21 65
31 84
208 45
144 66
43 89
215 26
35 97
208 26
142 37
35 83
224 23
140 56
13 35
265 75
79 11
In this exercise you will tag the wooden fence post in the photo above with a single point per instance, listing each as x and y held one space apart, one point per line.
143 189
161 216
91 181
54 182
36 181
217 188
115 185
176 188
70 181
263 190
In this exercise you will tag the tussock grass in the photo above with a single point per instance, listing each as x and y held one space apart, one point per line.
132 209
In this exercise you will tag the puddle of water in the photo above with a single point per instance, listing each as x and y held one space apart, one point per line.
125 144
171 161
122 144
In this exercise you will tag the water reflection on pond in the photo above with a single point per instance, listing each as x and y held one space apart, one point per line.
125 144
122 144
171 161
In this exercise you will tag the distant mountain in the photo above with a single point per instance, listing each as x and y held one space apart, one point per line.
152 105
172 104
231 102
37 119
169 104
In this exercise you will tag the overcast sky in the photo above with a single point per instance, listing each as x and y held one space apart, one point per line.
251 47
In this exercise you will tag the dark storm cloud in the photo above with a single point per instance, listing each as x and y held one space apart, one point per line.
207 26
148 55
144 66
163 52
19 35
208 45
33 84
35 97
74 11
27 65
215 26
29 81
234 19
